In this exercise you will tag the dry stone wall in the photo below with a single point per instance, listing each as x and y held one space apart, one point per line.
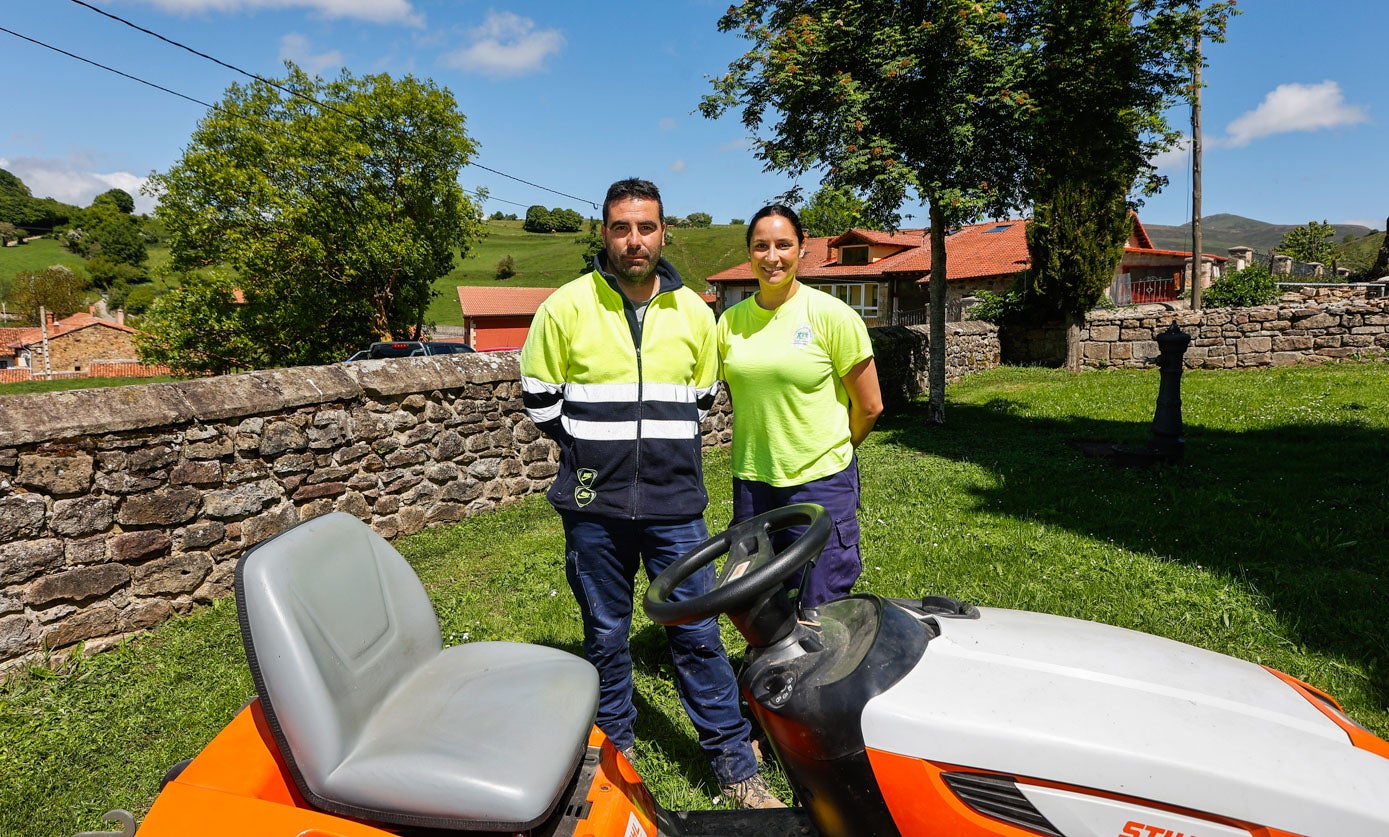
1301 328
121 506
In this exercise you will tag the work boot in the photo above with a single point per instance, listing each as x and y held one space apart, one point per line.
752 792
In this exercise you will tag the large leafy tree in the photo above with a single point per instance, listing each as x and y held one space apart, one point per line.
1312 242
335 203
1103 76
893 99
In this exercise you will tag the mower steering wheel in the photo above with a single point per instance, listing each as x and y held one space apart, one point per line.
753 570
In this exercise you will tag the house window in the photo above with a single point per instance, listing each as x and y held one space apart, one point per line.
853 255
863 298
998 229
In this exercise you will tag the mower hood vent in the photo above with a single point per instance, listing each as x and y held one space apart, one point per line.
999 797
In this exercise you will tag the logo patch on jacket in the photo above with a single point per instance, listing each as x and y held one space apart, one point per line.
802 337
583 492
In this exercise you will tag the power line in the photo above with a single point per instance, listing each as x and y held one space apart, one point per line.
207 105
304 96
106 68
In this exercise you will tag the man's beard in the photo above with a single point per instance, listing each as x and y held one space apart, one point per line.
633 273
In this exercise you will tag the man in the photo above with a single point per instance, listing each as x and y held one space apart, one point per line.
619 369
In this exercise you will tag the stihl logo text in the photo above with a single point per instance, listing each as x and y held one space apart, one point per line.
1138 829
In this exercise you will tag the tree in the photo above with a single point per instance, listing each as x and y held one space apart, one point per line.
18 206
832 211
1101 80
201 328
566 220
1310 243
57 289
593 244
122 200
506 267
102 230
890 99
337 207
538 220
699 219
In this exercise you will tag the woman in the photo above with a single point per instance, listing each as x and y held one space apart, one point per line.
799 369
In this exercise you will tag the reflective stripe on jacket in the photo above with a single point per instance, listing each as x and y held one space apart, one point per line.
624 399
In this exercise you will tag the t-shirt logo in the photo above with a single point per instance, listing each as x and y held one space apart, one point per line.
802 337
583 492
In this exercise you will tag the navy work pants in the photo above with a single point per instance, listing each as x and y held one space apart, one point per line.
840 564
602 556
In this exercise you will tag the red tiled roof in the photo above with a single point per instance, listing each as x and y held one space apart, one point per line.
977 251
67 325
501 302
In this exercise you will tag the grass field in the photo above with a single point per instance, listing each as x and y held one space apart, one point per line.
1271 543
548 260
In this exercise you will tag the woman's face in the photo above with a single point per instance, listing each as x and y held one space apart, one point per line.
775 252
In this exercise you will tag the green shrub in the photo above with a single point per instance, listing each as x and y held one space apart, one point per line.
996 308
1254 285
506 268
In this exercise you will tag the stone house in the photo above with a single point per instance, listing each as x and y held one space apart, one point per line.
73 343
886 276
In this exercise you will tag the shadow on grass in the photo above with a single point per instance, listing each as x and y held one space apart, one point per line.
1300 512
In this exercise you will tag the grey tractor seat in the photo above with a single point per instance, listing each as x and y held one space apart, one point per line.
374 718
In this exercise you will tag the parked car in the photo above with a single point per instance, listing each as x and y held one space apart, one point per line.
411 348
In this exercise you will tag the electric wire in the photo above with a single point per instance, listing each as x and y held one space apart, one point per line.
208 105
298 94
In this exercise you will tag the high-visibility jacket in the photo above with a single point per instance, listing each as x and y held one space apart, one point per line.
624 398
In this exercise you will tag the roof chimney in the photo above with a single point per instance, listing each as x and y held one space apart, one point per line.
48 317
120 316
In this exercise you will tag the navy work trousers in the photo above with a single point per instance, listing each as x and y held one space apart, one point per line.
840 565
602 556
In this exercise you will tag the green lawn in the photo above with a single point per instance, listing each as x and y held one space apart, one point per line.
37 255
1271 542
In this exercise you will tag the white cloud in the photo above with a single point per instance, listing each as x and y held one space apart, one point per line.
1295 107
374 11
678 165
506 44
72 181
295 47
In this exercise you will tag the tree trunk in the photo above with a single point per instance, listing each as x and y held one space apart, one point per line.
1073 359
936 373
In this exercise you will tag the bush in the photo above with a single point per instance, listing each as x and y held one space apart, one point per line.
538 220
996 308
699 219
139 299
506 268
736 222
1254 285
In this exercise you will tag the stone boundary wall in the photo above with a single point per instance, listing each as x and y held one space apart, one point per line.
121 506
1300 328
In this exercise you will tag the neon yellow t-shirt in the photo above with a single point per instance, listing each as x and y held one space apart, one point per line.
784 370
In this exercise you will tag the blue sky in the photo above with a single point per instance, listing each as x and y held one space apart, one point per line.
574 95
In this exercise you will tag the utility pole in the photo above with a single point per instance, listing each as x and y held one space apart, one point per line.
1196 244
43 331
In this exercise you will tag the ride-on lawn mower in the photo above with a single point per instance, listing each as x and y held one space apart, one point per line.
890 717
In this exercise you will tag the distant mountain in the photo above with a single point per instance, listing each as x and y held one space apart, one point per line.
1221 232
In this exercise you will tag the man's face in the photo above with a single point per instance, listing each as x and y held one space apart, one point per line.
633 235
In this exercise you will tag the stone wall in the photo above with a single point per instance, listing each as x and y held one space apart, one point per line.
902 355
121 506
1301 328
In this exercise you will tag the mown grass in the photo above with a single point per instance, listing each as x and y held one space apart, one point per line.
1268 542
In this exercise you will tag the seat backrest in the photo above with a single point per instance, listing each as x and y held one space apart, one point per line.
332 618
